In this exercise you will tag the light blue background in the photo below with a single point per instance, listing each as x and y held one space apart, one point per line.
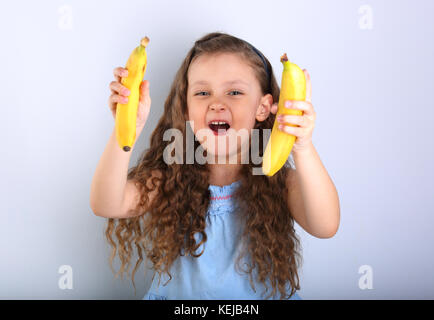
371 90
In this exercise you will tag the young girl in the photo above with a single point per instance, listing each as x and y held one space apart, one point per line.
215 230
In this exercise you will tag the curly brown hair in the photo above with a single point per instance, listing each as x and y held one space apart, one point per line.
179 208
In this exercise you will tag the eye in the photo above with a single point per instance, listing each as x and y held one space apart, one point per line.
198 94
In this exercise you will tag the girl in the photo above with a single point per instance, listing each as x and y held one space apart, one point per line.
213 230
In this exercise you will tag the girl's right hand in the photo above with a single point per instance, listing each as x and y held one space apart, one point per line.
120 94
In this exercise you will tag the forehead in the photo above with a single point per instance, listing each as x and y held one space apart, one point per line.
221 67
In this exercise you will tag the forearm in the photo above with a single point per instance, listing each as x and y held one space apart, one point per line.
319 195
109 180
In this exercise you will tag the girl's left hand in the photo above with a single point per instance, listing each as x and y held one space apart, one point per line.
305 123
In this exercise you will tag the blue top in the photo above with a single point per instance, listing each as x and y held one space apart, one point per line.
212 275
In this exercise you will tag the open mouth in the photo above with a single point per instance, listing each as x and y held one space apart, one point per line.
219 127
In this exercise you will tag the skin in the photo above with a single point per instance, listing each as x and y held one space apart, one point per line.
312 198
218 100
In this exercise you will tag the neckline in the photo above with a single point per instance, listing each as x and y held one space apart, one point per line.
223 194
226 185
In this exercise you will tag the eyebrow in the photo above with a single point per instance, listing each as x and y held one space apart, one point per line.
227 82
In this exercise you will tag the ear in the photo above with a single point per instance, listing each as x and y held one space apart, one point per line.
264 108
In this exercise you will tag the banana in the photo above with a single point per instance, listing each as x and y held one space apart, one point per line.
279 146
126 114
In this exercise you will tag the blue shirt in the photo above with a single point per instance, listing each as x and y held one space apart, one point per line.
212 275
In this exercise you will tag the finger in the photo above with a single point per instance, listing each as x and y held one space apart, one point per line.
117 87
300 105
115 98
120 72
296 131
308 86
292 119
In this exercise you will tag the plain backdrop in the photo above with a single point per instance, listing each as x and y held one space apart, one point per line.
371 65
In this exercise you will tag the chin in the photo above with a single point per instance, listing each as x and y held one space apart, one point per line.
231 156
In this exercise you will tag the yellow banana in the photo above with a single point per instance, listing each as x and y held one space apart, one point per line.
126 114
293 87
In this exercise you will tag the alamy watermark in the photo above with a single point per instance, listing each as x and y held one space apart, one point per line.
65 21
65 281
224 148
366 20
366 280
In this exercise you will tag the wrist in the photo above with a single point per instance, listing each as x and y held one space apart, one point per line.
304 151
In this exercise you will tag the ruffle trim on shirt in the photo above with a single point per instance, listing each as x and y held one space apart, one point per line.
221 198
223 192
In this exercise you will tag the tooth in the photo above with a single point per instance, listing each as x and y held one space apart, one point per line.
218 122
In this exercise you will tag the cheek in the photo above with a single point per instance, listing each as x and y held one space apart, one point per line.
196 118
246 121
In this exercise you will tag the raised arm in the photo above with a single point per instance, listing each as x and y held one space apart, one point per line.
312 197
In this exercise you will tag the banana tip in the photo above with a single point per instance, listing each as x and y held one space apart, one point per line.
283 58
126 148
144 42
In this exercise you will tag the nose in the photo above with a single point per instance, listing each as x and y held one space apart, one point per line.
217 107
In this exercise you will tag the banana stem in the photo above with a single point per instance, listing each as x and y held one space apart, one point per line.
144 42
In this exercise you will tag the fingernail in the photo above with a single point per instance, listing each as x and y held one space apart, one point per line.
125 100
288 104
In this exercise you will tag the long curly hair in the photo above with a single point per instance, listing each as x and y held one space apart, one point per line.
164 228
